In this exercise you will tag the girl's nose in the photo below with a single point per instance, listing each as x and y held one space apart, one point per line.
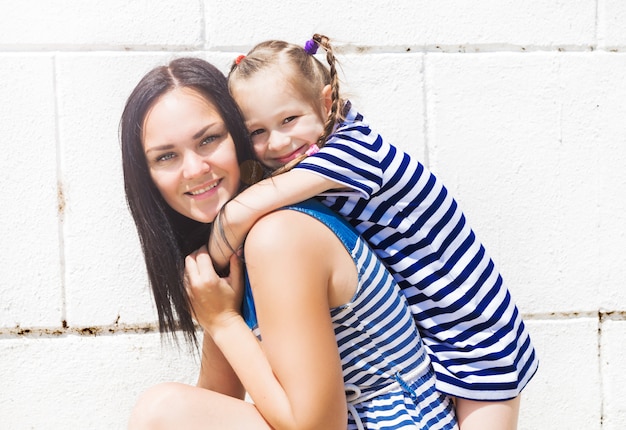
195 165
278 140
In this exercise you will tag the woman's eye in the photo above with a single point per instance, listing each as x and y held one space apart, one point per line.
208 140
256 132
165 157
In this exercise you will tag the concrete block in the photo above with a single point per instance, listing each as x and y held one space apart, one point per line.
400 25
101 24
499 137
594 138
84 382
31 283
106 281
611 31
393 107
565 393
613 362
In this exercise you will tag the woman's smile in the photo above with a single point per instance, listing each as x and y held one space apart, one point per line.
203 191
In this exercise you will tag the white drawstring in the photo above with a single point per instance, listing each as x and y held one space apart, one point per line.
354 396
355 415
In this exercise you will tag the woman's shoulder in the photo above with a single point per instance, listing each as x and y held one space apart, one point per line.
286 228
294 246
291 233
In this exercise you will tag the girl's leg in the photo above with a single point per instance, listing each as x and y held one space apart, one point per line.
476 415
179 406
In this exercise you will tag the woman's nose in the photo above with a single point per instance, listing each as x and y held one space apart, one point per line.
195 165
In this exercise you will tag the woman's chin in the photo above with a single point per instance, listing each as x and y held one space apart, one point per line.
203 217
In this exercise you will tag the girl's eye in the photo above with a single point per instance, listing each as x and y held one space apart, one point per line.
256 132
289 119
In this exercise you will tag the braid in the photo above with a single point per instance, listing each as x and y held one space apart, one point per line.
335 108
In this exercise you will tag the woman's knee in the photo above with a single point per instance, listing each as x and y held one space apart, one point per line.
158 406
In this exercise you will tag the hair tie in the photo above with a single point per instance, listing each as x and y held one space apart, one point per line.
239 58
313 149
310 46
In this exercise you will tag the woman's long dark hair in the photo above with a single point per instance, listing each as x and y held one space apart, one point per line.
166 236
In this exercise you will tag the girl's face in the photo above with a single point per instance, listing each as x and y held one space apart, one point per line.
190 154
282 125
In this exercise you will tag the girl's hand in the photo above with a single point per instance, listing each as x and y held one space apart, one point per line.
214 300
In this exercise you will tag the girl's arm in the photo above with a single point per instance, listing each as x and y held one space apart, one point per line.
240 214
481 415
294 376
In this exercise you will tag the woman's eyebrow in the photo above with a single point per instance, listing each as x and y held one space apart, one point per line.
199 134
167 146
160 148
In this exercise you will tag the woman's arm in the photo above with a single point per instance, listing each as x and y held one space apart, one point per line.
215 305
240 214
294 376
293 264
216 374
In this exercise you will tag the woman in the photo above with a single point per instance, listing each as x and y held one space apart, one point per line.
339 347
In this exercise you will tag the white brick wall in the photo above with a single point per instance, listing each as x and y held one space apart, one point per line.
518 106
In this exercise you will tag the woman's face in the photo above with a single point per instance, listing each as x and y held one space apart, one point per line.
190 154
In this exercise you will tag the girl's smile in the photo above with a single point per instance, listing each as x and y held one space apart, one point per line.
292 155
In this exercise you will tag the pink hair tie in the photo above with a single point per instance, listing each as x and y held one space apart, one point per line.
239 58
313 149
310 46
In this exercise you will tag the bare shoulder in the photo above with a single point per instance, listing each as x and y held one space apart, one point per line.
291 247
288 229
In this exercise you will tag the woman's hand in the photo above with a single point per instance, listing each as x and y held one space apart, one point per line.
214 300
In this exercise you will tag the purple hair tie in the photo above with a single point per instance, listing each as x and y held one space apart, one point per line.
310 47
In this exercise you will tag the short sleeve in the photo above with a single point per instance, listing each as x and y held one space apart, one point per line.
350 157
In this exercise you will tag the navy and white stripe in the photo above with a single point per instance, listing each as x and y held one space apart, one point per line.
471 328
379 345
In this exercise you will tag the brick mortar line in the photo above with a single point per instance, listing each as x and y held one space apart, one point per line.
153 328
81 331
601 315
341 49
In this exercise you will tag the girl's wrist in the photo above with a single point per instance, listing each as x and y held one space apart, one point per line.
220 252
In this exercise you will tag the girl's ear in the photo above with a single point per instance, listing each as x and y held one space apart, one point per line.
327 98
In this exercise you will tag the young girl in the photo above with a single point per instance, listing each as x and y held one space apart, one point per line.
300 125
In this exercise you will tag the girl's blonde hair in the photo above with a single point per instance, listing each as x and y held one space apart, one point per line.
306 74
